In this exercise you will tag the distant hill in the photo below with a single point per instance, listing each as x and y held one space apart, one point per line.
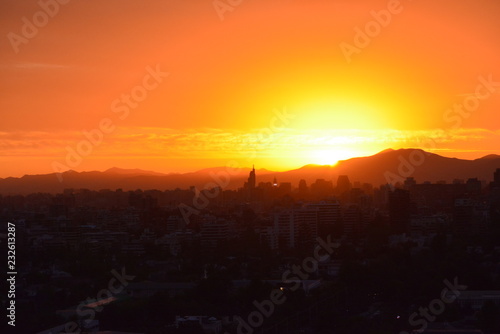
421 165
134 171
407 162
398 164
117 178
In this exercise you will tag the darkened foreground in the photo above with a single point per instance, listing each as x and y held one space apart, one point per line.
267 258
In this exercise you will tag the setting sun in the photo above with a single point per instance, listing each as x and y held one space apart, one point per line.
327 157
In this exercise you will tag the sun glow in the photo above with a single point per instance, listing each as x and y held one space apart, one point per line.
339 114
329 156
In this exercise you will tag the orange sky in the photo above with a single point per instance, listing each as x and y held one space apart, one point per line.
269 84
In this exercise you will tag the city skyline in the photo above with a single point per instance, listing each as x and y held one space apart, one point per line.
389 167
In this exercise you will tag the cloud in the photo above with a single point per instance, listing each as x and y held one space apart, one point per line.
224 143
35 66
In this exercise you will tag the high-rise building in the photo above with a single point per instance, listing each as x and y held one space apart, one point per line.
251 179
328 216
409 183
303 190
321 189
399 210
213 231
285 229
300 226
250 185
305 222
351 219
343 184
473 186
463 215
496 178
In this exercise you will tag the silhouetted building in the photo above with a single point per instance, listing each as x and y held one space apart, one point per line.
343 184
475 299
473 187
409 183
285 188
427 224
351 220
251 179
496 179
213 231
399 210
299 227
306 224
437 197
285 229
469 217
249 186
303 190
321 189
328 217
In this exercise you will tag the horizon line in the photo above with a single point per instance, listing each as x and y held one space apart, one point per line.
245 167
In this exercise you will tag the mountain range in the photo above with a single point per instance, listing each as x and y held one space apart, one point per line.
388 166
